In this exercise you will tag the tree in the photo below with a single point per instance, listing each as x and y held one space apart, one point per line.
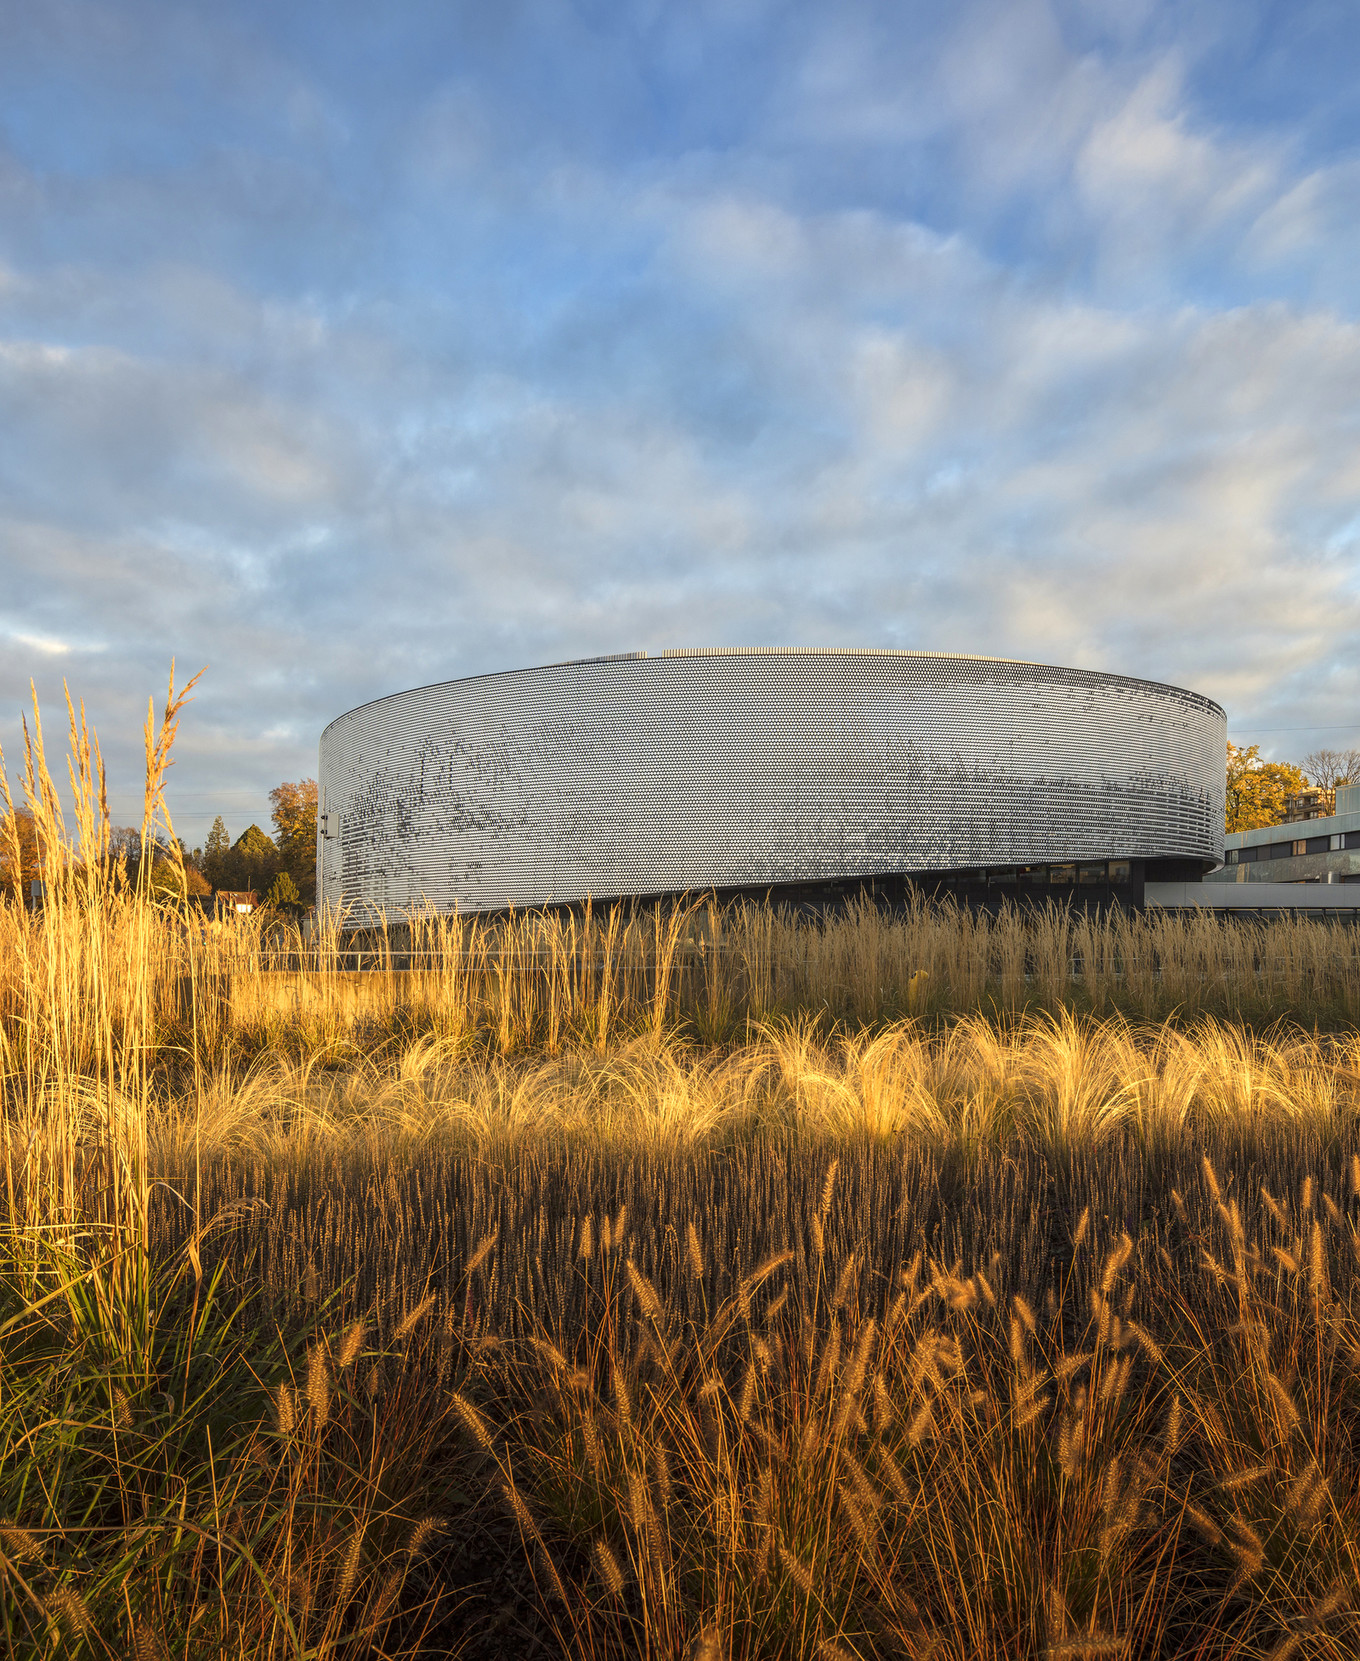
283 894
1257 789
294 808
215 851
251 862
1329 768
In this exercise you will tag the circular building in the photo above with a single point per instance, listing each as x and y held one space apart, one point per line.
798 773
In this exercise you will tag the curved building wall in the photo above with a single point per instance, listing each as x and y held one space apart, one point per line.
726 769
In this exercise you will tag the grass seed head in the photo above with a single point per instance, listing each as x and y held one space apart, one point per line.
798 1572
353 1344
607 1567
318 1386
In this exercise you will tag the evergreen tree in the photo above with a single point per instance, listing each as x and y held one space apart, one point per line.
215 851
283 894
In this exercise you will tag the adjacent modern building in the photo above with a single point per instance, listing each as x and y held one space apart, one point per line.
1325 850
803 775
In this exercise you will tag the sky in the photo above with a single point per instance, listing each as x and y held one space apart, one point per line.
346 348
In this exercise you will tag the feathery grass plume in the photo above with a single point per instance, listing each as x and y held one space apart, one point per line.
421 1535
318 1386
1067 1365
640 1508
860 1519
694 1251
387 1596
829 1650
922 1425
1332 1209
1287 1260
985 1287
353 1344
530 1530
1087 1646
1204 1523
1083 1223
587 1245
810 1442
69 1612
18 1543
644 1291
1306 1195
349 1568
590 1441
1118 1257
1308 1493
661 1473
606 1236
1115 1381
884 1411
1017 1342
1071 1443
620 1226
1243 1478
483 1251
1246 1547
798 1572
746 1399
859 1360
122 1409
831 1356
1179 1204
285 1410
416 1316
1171 1438
146 1641
1211 1177
1273 1207
1355 1175
607 1567
472 1419
622 1402
1319 1283
1284 1402
776 1304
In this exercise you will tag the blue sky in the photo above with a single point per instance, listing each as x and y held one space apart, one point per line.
346 348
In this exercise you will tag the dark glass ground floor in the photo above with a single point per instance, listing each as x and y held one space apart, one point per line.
1085 884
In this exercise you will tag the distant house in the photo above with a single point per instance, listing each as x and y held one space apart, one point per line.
242 900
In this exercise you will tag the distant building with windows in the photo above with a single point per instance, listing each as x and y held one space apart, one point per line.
1306 848
1313 803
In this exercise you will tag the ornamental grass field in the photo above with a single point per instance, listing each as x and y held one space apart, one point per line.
694 1282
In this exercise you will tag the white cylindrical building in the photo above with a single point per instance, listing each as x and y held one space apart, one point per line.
758 770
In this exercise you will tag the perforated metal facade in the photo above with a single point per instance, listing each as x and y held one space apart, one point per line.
694 770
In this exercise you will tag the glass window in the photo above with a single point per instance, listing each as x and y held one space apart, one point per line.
1035 875
1316 845
1334 842
1091 874
1120 870
1352 839
1300 846
1230 858
1004 877
1062 873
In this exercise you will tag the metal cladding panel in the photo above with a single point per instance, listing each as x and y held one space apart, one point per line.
696 770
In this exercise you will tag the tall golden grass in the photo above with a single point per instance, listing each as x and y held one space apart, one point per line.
698 1282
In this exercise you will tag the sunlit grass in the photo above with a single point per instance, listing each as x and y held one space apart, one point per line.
684 1283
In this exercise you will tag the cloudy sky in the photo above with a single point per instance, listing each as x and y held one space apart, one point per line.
348 347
